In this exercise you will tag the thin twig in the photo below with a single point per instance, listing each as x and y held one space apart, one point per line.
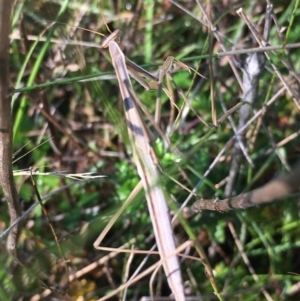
252 68
62 254
6 126
275 190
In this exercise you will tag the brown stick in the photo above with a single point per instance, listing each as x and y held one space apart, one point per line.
277 189
6 125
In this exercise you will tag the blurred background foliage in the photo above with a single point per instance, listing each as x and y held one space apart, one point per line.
86 132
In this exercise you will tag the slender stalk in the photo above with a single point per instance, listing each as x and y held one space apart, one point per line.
6 125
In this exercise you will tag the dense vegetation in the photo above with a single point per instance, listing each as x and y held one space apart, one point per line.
71 122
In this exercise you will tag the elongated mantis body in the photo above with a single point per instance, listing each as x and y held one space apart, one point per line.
145 160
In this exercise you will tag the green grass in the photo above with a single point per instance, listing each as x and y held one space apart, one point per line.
91 112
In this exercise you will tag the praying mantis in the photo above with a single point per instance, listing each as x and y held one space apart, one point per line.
146 162
139 73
